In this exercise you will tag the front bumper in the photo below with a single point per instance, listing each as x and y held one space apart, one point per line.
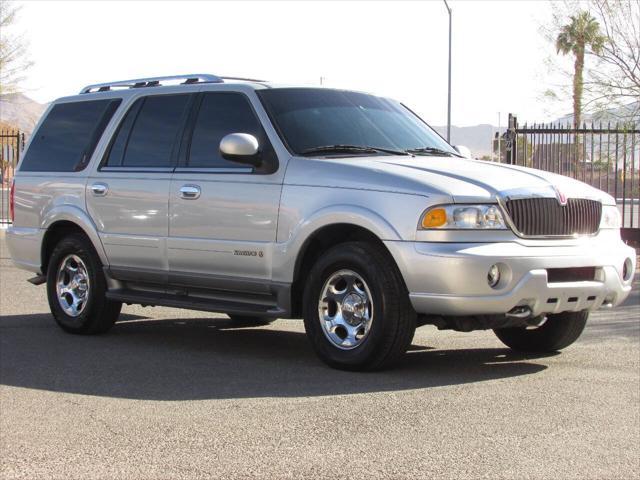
451 278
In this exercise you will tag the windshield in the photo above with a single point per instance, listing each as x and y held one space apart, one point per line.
323 121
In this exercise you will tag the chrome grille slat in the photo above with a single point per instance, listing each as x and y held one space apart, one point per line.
535 217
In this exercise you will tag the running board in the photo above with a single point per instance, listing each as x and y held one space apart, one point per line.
195 303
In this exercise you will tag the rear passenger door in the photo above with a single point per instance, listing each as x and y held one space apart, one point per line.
128 194
228 228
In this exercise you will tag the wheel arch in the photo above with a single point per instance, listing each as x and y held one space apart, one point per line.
63 221
316 244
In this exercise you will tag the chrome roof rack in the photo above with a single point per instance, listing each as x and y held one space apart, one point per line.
152 82
242 79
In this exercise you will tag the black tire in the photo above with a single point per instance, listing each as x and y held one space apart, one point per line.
393 322
249 321
98 313
558 332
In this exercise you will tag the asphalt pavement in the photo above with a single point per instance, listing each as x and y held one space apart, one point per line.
182 394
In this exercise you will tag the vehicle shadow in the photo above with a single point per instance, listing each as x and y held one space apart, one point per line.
208 359
623 321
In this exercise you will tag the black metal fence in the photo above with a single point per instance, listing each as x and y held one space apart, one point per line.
11 146
606 156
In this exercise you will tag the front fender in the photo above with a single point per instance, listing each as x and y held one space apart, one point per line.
350 214
390 216
286 253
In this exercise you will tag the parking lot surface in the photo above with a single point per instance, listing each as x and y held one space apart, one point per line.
183 394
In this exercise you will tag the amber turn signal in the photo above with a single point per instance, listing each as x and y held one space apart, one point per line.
434 218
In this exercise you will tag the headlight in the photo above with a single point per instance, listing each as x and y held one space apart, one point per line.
463 217
610 217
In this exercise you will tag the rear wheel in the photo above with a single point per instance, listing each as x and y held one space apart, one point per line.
76 288
357 312
557 332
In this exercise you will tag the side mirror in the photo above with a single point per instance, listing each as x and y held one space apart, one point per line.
464 151
241 148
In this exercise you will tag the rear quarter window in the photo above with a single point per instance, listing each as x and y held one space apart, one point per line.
68 136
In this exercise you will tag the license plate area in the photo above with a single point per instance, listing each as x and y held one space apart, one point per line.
577 274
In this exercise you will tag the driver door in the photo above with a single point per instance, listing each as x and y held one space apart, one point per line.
222 215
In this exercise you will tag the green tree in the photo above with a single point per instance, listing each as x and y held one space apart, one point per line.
582 32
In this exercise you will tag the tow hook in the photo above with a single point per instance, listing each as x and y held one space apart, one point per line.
520 312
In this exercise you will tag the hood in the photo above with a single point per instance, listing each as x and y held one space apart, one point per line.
461 180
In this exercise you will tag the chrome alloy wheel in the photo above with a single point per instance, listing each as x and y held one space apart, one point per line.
345 309
72 285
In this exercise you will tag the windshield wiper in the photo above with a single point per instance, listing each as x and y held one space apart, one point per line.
352 149
432 151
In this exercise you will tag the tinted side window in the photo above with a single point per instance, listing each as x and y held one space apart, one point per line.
68 136
221 113
155 131
116 152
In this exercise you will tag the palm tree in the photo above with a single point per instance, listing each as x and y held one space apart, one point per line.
583 31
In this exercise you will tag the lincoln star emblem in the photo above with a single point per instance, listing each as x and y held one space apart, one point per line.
562 198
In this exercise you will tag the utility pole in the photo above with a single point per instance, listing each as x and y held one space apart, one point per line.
449 99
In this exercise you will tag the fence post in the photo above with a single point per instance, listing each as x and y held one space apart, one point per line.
19 147
510 138
11 146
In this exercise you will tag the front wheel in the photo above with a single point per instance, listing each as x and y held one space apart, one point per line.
557 332
357 312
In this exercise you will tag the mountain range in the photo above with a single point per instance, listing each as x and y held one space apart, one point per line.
19 111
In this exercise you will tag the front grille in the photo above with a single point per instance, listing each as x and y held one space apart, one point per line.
546 217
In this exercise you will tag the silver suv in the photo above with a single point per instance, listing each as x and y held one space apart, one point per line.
343 208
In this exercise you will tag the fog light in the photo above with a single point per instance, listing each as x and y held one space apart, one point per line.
493 276
626 270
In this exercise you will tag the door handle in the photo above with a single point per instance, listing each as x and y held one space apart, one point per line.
99 189
190 192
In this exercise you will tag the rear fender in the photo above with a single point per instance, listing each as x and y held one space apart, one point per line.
75 215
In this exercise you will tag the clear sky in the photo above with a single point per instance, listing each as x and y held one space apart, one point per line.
393 48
